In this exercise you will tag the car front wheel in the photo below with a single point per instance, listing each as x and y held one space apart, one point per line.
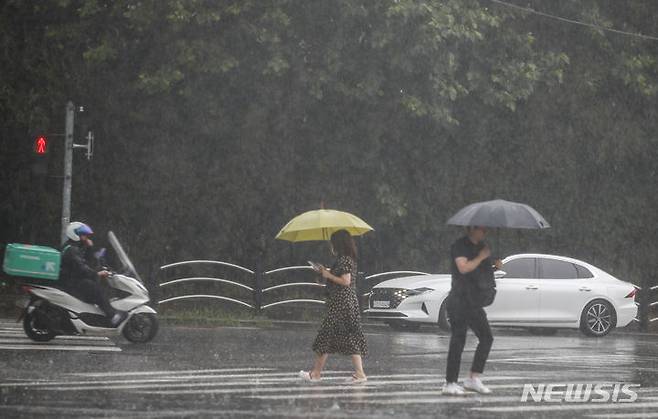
444 322
598 318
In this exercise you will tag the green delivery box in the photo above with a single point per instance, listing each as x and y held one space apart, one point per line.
32 261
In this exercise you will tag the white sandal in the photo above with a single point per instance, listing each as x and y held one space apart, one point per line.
306 376
356 380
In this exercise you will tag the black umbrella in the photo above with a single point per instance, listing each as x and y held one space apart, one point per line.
499 214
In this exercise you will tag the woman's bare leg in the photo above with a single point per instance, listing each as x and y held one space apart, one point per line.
358 366
320 360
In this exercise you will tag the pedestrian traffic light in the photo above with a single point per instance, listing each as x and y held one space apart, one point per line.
41 145
40 148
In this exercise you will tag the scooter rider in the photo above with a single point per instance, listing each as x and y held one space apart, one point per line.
78 278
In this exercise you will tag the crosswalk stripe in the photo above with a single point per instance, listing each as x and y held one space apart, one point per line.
174 380
635 415
373 385
48 347
566 407
14 338
264 376
333 391
167 372
406 395
404 389
208 383
127 386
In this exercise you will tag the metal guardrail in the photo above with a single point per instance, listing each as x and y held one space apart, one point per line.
217 297
400 273
289 285
196 279
216 262
257 290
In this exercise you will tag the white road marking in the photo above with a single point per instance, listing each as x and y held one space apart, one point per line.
546 407
577 359
346 390
180 413
48 347
9 339
440 399
372 384
14 339
250 384
373 396
636 415
168 372
212 381
189 375
267 384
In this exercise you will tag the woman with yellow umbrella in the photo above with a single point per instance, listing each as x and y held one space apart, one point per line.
340 331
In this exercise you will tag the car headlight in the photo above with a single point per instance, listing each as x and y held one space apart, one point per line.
423 290
404 293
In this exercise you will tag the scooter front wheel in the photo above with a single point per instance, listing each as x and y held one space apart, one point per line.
35 329
141 327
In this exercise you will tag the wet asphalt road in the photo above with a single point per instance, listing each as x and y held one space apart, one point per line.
251 372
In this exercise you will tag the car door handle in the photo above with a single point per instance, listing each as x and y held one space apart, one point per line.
584 289
532 287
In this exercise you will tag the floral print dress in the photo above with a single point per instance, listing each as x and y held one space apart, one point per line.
340 331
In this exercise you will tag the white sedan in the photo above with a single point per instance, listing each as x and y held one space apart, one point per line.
541 292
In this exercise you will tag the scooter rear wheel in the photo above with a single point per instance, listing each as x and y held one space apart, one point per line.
35 330
141 327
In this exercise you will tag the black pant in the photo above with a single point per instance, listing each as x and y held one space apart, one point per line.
462 316
92 292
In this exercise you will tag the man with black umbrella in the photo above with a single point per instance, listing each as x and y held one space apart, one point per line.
470 264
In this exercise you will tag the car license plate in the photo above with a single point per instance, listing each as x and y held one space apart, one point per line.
381 304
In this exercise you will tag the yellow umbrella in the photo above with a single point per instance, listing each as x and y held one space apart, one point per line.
321 224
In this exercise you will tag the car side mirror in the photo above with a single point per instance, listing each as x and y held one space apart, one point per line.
499 274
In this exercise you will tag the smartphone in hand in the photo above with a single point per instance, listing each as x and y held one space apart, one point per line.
316 266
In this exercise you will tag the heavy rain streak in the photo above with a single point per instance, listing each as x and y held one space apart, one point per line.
399 208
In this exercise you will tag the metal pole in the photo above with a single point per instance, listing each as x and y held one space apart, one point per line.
643 310
68 168
258 287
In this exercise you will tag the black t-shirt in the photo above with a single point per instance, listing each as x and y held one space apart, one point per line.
464 285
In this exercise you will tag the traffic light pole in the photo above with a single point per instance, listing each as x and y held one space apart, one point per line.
68 168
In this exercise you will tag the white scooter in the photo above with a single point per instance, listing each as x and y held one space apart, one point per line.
51 311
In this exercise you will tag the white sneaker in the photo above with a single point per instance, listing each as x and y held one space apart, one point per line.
475 384
453 389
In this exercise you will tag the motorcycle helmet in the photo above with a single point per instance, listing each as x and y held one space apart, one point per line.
76 228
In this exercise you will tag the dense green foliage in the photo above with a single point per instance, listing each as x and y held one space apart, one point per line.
218 121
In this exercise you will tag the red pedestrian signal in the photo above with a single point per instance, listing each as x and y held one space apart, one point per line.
41 145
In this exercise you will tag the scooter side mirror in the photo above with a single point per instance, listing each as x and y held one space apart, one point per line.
101 253
100 257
